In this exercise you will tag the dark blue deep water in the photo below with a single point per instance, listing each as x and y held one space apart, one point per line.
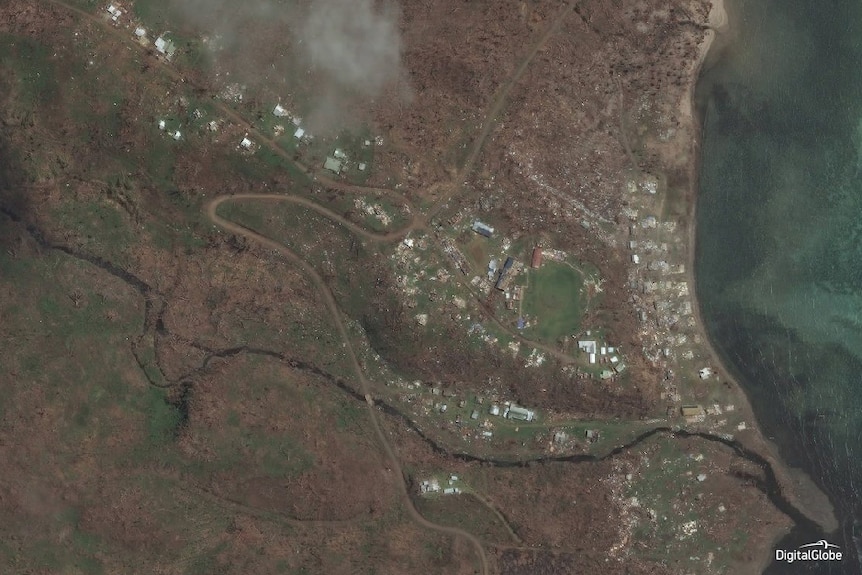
779 243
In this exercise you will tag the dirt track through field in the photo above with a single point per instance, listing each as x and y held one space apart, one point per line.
326 212
497 107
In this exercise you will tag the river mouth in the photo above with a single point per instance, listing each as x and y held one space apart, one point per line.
779 238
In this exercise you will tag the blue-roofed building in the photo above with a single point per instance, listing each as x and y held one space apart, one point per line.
483 229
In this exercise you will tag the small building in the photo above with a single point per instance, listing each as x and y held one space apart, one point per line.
536 262
592 358
588 346
165 47
521 323
475 414
114 12
279 111
519 413
299 133
362 166
619 367
483 229
177 135
636 259
162 124
495 410
245 143
693 411
492 269
705 373
606 374
332 165
140 32
339 155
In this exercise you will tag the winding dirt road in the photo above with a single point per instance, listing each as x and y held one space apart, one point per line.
417 221
332 306
383 237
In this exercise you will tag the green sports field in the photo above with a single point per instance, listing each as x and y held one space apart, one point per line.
555 301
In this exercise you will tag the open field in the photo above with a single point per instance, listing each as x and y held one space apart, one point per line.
555 298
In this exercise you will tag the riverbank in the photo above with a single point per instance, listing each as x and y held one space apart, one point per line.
796 485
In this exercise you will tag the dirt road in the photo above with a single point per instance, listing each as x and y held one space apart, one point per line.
332 306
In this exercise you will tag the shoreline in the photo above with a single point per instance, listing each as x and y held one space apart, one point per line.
796 485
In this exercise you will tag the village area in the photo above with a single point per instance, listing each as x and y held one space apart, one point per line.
363 344
526 299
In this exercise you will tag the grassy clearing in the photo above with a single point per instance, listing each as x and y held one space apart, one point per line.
354 147
556 299
98 221
30 63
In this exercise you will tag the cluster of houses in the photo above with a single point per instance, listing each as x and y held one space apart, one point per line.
602 354
115 12
338 162
432 485
511 268
164 46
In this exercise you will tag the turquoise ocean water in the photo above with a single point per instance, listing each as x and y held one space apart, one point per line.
779 247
